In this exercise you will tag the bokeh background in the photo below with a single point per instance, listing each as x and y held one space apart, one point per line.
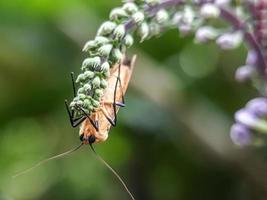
172 140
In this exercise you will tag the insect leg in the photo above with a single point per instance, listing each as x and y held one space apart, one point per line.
122 104
94 123
74 122
111 121
73 84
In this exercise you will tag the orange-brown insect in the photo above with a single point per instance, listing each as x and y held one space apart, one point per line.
111 101
95 128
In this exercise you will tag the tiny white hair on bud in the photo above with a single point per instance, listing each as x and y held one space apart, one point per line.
119 31
117 54
117 13
209 10
162 16
106 28
100 40
188 15
143 31
154 29
89 45
177 18
91 62
128 40
244 73
205 34
105 66
138 17
105 49
230 40
130 7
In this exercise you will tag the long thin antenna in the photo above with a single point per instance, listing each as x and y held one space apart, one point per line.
48 159
113 171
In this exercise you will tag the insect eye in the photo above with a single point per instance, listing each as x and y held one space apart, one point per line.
91 139
81 137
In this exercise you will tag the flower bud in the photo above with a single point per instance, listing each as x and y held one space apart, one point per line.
205 34
252 58
80 78
81 96
188 15
105 67
117 55
222 2
240 135
99 92
105 49
143 31
73 104
100 40
209 10
258 106
88 74
89 45
230 40
176 19
81 91
87 103
91 62
87 87
244 73
128 40
117 13
138 17
104 84
162 16
95 103
106 28
96 82
152 2
247 118
119 31
130 7
184 29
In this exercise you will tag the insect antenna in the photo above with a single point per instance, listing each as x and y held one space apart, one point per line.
112 170
48 159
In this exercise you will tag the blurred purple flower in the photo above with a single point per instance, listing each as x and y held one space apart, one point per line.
240 135
258 106
246 117
252 58
244 73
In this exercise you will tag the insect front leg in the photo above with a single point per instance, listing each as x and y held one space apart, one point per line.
74 121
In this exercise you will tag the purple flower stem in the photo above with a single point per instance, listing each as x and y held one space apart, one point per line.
227 16
250 39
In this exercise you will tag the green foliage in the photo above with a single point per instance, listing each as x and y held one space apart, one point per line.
172 138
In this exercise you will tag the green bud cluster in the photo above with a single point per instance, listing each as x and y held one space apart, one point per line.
147 18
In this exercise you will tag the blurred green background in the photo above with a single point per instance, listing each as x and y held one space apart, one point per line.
172 139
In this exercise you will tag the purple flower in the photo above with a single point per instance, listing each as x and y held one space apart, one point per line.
258 106
252 58
244 73
240 135
245 117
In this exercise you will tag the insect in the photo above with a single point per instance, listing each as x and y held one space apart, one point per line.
95 127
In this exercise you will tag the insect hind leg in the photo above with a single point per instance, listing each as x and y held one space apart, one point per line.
115 104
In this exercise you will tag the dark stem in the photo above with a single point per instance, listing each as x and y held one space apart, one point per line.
250 39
